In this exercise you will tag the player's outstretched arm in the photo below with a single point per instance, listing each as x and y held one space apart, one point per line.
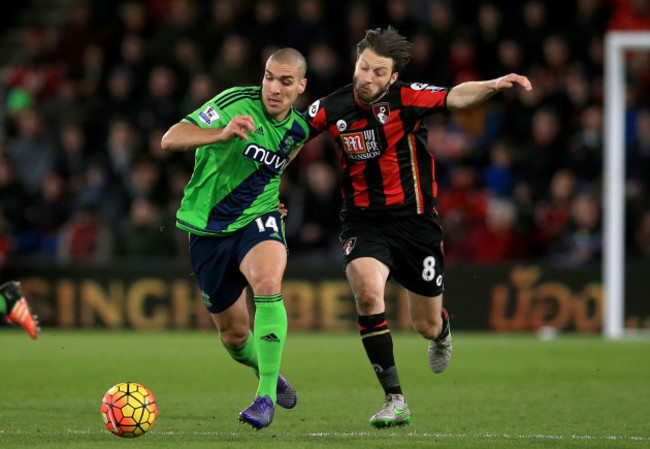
186 136
474 92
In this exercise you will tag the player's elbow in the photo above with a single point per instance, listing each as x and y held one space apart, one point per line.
456 105
169 142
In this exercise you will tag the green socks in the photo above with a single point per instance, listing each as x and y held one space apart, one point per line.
245 354
263 352
270 333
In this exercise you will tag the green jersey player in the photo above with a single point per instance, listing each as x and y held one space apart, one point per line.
244 138
240 178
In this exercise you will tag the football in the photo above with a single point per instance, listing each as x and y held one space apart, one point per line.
129 409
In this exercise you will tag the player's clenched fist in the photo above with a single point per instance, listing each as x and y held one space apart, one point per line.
238 127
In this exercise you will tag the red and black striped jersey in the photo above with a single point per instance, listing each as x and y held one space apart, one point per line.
386 166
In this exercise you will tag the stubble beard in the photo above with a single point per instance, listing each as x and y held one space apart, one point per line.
366 99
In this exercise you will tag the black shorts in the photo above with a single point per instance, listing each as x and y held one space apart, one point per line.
410 246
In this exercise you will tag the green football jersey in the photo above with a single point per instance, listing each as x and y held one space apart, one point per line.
236 181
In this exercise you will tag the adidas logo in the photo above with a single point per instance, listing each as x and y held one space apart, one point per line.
259 131
270 338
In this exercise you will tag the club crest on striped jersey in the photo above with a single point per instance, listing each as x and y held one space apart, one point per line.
349 245
382 112
288 144
361 145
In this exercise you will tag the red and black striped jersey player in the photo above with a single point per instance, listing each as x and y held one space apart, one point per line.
389 225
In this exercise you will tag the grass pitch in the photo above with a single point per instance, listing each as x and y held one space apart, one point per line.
500 391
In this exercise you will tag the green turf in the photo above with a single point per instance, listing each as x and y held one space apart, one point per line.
499 392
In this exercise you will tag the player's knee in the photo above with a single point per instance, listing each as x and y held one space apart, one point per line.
235 337
367 301
266 284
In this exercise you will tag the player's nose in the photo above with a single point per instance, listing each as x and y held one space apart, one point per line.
275 87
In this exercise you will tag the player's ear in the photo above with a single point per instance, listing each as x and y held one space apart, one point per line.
302 86
393 78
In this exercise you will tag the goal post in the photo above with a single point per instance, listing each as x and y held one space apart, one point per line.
616 43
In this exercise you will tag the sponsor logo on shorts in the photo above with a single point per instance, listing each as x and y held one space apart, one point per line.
349 245
206 299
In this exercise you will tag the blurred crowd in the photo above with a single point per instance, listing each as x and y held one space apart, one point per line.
83 178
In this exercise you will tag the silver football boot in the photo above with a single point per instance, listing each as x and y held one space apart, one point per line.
440 354
394 412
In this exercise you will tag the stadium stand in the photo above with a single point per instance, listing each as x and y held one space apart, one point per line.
88 87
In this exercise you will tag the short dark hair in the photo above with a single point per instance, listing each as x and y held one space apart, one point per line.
389 44
290 56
